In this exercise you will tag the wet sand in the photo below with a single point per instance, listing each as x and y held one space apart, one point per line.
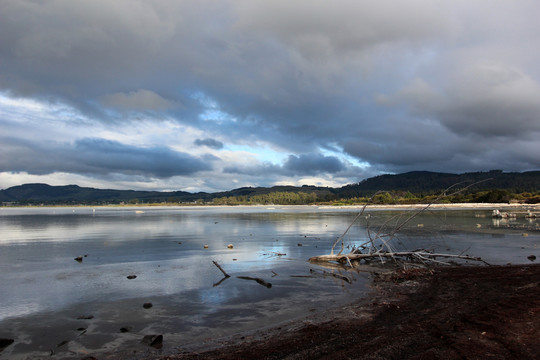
443 313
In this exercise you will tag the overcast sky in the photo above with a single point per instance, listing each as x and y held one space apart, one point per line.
215 95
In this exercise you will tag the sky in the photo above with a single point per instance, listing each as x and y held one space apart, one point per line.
213 95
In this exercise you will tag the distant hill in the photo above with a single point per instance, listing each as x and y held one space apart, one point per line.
43 193
417 182
423 182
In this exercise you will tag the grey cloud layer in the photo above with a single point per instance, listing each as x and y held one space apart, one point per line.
434 85
96 157
211 143
303 165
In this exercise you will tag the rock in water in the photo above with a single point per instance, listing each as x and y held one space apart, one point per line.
130 277
4 343
85 317
79 259
147 305
155 341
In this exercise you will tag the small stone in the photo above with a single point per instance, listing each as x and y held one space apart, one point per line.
230 246
130 277
85 317
79 259
147 305
4 343
299 244
531 257
125 329
155 341
81 329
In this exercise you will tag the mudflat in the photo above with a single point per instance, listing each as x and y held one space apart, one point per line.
459 312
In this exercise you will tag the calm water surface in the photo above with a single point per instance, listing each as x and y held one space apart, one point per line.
43 290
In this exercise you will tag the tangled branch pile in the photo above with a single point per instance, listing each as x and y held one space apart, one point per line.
379 244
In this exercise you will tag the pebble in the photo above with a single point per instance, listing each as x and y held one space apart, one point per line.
85 317
4 343
155 341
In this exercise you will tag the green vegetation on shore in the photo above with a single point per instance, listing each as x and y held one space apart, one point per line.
409 188
384 198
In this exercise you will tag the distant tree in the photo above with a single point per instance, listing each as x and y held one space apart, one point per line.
493 196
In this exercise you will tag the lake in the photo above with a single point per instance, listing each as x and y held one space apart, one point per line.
60 308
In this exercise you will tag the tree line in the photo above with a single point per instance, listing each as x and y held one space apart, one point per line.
383 198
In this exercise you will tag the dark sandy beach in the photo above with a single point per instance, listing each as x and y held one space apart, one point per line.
458 312
443 313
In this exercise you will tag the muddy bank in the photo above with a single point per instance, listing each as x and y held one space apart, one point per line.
445 313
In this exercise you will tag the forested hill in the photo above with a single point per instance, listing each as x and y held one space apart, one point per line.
423 182
36 193
419 183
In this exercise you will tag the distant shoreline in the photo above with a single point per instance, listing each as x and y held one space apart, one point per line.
457 206
451 206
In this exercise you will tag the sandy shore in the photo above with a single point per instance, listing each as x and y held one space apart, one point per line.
461 206
443 313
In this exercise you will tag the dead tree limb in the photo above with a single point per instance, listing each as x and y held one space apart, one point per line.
394 255
337 276
386 251
220 281
220 268
258 280
354 220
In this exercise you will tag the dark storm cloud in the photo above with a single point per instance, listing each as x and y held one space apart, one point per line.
312 164
211 143
303 165
96 157
422 84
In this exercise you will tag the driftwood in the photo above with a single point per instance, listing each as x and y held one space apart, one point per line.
258 280
225 275
220 281
274 253
423 256
314 274
220 268
368 250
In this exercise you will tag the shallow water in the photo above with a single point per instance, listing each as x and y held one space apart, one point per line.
43 290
